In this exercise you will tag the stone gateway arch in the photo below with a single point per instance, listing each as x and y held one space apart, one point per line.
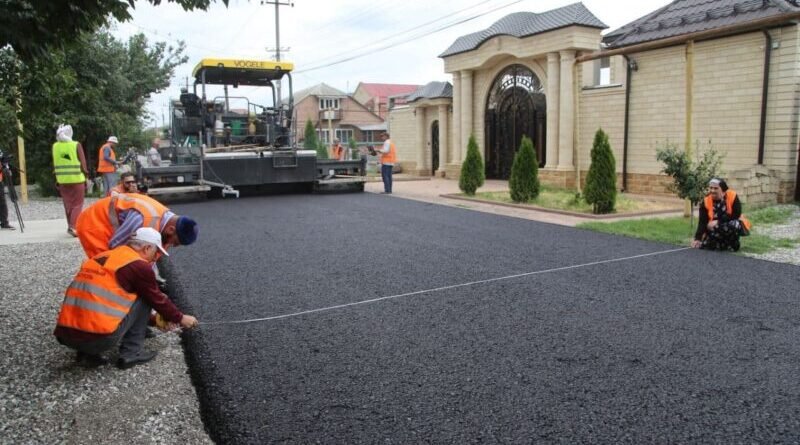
516 107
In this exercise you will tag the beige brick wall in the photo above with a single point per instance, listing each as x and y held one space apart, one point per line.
601 108
402 128
657 106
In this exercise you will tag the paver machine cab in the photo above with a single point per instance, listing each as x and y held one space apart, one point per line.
214 145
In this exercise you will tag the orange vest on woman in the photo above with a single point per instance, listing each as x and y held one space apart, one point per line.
391 157
104 166
730 196
98 222
94 301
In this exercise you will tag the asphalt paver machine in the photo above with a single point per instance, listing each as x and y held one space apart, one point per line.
215 145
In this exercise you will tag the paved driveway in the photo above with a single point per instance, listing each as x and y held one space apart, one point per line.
657 346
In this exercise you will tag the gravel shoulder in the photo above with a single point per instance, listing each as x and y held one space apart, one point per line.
47 398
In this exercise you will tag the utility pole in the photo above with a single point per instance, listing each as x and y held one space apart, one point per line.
278 4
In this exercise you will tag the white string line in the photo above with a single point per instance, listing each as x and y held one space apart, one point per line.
438 289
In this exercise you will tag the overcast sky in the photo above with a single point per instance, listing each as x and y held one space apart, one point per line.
318 33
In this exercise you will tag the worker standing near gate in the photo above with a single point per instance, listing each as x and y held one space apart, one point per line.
107 164
388 158
111 221
69 164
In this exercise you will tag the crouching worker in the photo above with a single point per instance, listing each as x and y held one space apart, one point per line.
720 219
110 299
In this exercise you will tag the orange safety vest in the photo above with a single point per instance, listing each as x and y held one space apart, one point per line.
337 151
97 223
391 157
730 196
104 166
94 302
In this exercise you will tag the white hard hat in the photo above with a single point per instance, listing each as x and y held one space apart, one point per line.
149 236
113 139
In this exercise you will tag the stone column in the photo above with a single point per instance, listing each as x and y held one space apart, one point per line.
553 90
466 112
565 113
422 148
443 139
455 155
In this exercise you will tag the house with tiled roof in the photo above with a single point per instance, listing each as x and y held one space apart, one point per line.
696 74
335 115
375 96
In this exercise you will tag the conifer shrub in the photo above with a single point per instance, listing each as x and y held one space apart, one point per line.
472 173
310 136
524 180
601 181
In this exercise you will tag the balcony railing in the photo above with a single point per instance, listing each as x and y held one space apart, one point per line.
330 114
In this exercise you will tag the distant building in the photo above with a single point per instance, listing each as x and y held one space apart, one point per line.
376 96
328 107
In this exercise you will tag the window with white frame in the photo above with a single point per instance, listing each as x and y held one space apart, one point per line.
344 135
328 103
602 71
322 135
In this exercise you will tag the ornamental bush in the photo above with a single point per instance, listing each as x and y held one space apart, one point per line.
310 136
601 181
472 174
524 181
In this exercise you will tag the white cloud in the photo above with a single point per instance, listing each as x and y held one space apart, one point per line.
319 31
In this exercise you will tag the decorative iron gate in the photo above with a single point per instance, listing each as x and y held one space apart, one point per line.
516 108
434 147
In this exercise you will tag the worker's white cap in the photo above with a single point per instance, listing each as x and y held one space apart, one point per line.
113 139
150 236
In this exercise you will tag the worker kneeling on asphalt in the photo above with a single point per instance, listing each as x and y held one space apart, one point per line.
110 299
111 221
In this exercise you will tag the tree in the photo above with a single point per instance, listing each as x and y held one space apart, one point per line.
472 173
524 180
34 28
689 178
97 84
322 150
309 136
601 181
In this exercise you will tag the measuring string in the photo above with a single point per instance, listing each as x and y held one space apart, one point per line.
438 289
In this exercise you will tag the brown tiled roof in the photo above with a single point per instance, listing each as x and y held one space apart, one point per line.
689 16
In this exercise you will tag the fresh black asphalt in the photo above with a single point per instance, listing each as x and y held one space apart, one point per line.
682 347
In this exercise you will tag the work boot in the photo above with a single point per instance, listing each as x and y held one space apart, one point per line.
141 357
85 360
150 333
7 226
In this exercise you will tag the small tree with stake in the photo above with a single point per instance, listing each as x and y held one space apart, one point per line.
524 180
472 174
601 181
690 178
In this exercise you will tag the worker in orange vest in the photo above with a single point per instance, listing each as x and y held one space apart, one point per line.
337 150
388 158
127 184
110 300
111 221
107 163
720 219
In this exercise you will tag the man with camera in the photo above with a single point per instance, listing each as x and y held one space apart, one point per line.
5 175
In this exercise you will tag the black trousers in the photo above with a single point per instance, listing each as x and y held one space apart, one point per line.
3 205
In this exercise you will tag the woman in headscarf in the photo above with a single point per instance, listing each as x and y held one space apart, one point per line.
69 164
719 226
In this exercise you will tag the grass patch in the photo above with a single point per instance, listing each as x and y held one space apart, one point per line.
562 199
677 230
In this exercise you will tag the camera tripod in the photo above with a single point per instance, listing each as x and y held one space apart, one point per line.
12 193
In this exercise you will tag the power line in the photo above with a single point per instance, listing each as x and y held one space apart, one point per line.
400 33
392 45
